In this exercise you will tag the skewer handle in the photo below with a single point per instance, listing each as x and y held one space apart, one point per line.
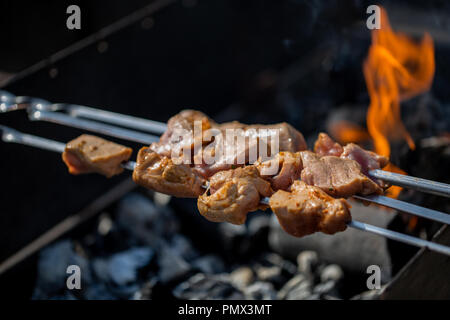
120 119
94 126
11 135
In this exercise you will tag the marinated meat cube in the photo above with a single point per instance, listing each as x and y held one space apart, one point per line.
368 160
161 174
336 176
250 138
307 209
239 154
182 122
232 194
89 154
325 146
289 169
173 143
290 139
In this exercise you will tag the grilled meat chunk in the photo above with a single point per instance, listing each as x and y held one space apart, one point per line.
174 138
232 194
249 139
325 146
89 154
368 160
290 139
338 177
288 167
307 209
161 174
193 135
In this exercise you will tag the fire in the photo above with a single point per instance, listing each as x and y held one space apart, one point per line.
346 131
396 68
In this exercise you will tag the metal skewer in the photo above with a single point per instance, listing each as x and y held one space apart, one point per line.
407 207
39 109
419 184
42 110
393 235
115 118
14 136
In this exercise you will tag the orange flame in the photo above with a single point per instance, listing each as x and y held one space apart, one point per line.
345 132
396 68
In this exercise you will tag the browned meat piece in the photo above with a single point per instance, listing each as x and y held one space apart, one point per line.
307 209
182 122
368 160
325 146
173 142
289 169
239 154
159 173
232 194
338 177
88 154
290 139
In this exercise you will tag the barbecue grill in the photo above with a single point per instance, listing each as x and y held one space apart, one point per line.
47 118
111 124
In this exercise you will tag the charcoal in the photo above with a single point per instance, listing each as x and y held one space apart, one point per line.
99 291
210 287
288 269
242 276
326 297
145 221
118 275
209 264
332 272
52 267
124 266
272 274
268 273
307 262
326 288
315 296
146 291
183 247
297 288
368 295
172 266
260 290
